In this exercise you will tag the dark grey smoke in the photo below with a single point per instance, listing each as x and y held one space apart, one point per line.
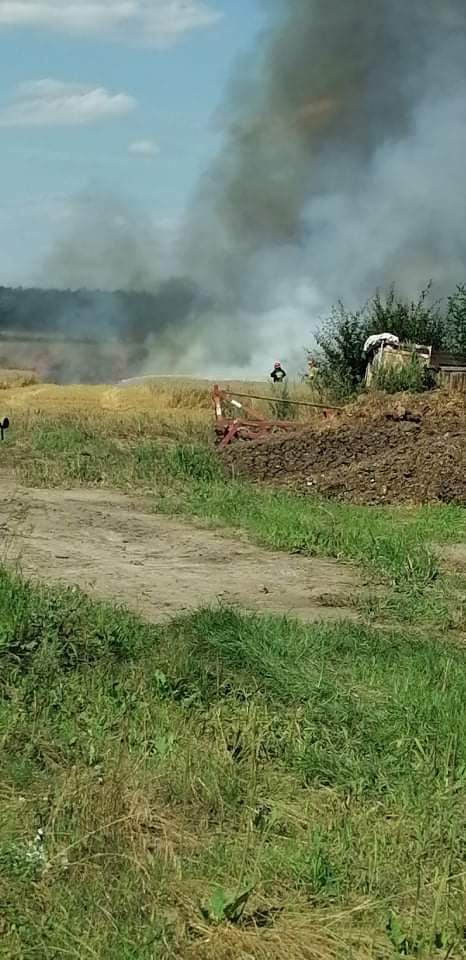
342 165
120 293
342 169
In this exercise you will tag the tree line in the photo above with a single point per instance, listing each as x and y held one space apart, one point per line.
125 314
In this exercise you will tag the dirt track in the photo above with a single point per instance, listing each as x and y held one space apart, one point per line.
115 549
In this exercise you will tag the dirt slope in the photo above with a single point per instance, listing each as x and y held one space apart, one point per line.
116 549
399 453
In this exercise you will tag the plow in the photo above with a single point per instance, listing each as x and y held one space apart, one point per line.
250 424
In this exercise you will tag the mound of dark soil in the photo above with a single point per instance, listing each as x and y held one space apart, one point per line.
391 455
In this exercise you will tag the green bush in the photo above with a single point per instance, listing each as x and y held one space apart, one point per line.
413 321
456 321
341 339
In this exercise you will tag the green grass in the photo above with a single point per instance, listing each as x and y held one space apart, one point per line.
397 548
231 787
226 786
398 543
387 540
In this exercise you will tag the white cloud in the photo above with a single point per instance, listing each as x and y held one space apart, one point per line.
143 148
155 22
53 103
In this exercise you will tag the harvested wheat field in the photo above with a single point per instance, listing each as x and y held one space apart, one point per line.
16 379
82 398
151 396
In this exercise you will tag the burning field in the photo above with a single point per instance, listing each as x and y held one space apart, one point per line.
232 677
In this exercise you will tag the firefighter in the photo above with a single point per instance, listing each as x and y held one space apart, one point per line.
278 374
311 368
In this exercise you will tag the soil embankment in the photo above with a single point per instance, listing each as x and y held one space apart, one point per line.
409 450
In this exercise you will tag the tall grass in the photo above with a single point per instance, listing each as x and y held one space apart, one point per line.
399 377
280 407
224 787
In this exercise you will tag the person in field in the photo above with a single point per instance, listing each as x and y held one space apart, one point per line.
278 374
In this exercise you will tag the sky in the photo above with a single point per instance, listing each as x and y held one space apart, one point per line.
111 96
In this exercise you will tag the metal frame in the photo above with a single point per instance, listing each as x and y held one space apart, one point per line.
255 426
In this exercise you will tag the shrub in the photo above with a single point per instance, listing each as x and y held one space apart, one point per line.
341 339
456 321
413 321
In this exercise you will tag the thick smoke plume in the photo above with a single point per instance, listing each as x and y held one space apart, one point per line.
342 169
342 164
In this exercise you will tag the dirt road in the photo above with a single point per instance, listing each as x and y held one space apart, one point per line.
114 548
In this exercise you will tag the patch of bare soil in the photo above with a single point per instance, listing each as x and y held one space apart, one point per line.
455 556
116 549
391 453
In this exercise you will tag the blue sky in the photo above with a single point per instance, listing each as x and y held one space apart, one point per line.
113 95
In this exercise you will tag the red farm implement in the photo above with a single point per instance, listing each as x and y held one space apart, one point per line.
250 424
